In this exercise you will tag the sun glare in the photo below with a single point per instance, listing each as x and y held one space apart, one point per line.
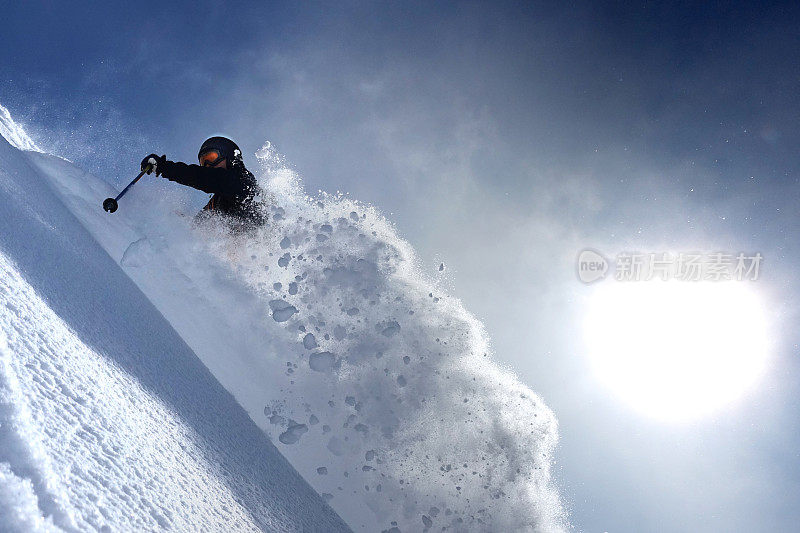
677 350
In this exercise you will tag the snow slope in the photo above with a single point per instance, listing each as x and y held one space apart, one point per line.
378 388
108 420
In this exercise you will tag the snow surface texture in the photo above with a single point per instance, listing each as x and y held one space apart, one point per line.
13 133
378 388
108 421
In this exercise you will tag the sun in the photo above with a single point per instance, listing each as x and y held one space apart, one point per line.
677 350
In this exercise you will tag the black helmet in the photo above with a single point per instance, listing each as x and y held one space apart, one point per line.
224 147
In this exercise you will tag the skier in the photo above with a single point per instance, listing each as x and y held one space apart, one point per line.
221 172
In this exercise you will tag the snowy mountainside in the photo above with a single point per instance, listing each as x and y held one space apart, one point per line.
108 421
379 388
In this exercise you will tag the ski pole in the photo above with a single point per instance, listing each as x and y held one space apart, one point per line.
110 204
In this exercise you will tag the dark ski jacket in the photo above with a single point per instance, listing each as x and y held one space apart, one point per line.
234 190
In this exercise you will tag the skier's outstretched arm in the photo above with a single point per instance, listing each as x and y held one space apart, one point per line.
226 182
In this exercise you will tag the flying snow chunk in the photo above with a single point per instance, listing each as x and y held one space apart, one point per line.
293 433
339 333
322 361
309 341
281 310
391 329
336 446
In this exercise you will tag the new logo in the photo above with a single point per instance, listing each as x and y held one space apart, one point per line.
591 266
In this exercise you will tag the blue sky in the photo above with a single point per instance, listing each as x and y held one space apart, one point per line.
502 139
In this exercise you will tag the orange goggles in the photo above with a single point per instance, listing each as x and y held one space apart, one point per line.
210 158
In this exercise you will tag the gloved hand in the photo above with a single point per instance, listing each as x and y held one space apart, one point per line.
155 162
